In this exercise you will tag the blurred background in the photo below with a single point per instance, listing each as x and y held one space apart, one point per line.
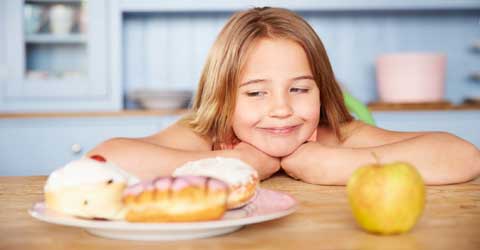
74 73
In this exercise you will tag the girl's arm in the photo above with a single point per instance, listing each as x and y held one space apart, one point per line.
158 154
161 153
441 158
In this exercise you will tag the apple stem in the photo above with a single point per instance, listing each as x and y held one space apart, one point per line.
377 159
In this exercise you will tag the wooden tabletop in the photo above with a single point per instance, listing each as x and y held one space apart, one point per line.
451 220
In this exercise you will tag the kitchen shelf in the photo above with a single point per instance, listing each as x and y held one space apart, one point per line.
300 5
54 39
54 1
58 57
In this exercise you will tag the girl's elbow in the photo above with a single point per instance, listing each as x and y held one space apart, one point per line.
107 147
473 168
460 158
467 165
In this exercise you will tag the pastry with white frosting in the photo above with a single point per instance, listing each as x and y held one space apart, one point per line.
241 177
88 188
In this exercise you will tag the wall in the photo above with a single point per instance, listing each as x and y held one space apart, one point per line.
168 50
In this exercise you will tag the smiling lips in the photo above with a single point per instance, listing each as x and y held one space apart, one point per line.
280 130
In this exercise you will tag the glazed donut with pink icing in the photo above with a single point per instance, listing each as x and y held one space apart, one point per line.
241 178
176 199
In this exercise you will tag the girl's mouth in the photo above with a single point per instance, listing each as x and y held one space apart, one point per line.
280 130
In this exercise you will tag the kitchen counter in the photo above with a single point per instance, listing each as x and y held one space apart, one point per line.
374 106
123 113
451 220
423 106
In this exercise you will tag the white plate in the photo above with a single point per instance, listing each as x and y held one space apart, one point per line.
267 205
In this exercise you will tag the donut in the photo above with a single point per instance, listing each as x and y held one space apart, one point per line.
89 188
176 199
241 178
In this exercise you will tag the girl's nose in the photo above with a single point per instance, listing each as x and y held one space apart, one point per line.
280 107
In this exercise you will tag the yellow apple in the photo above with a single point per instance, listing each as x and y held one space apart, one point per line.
386 198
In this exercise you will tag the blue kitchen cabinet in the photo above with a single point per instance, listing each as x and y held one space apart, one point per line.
54 56
465 124
36 146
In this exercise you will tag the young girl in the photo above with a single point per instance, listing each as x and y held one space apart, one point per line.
268 96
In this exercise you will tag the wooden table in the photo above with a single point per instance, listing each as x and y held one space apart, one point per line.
323 221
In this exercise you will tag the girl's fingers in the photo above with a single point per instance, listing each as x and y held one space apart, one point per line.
292 175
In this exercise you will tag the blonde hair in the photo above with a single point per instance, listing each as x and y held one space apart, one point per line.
215 99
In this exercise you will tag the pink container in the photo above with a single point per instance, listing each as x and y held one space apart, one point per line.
411 77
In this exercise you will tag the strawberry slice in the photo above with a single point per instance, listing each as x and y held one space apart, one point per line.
98 158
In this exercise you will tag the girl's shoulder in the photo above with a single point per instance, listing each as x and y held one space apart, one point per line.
180 136
327 136
357 134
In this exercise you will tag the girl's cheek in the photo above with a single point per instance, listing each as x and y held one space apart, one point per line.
250 111
244 118
307 107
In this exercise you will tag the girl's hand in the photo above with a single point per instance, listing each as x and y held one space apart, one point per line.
263 163
297 164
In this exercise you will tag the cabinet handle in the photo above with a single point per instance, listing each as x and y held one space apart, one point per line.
76 148
3 72
476 46
475 76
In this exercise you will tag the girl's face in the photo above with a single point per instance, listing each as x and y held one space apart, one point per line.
278 103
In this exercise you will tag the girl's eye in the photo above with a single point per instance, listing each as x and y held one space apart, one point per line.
299 90
256 93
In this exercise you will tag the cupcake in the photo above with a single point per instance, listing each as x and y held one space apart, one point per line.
90 187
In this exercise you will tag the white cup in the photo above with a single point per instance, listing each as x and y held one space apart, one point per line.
61 19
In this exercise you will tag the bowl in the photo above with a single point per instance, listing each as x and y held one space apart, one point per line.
411 77
161 98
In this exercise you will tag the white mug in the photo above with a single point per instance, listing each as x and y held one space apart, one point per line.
61 19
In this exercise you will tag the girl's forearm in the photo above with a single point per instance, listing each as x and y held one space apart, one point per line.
440 158
319 164
147 160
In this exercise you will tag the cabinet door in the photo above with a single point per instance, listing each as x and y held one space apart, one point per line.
464 124
56 56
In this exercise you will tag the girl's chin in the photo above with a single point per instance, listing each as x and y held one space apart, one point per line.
278 151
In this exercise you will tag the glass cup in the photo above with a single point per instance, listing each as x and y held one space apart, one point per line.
33 16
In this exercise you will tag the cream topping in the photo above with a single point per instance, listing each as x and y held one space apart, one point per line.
230 170
87 171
